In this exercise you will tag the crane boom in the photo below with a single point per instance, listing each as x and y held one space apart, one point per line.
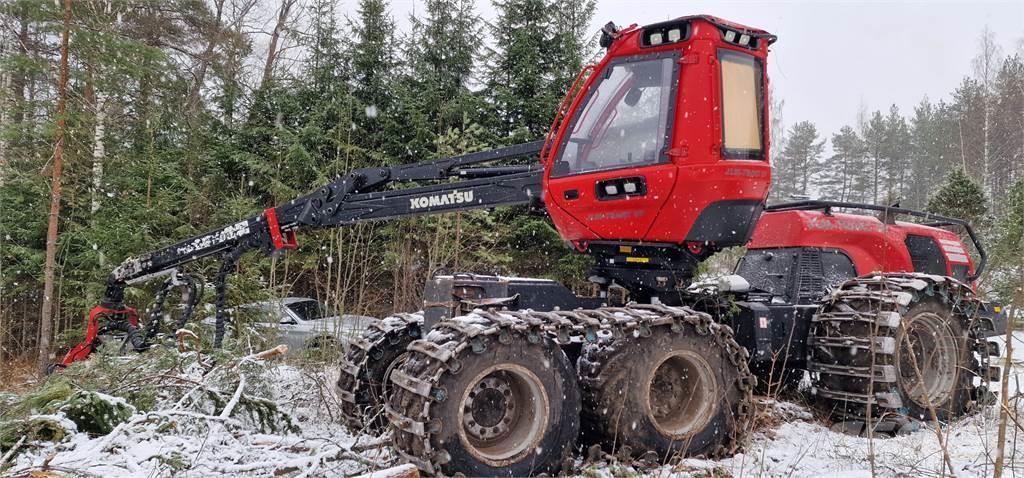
358 196
355 197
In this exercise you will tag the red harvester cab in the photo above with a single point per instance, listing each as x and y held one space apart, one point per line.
669 143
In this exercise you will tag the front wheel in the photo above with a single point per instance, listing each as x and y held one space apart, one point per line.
490 405
364 380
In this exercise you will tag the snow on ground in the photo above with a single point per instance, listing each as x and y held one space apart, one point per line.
803 447
178 442
174 442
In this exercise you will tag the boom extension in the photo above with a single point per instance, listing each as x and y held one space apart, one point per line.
355 197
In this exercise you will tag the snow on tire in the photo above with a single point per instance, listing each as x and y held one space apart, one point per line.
363 382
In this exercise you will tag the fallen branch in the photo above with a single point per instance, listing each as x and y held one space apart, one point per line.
10 453
400 471
234 398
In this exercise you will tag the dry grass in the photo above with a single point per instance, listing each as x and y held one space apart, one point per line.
18 375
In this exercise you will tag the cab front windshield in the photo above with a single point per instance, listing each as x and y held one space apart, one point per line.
624 119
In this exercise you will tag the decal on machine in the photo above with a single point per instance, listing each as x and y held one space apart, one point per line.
607 216
226 234
436 200
839 224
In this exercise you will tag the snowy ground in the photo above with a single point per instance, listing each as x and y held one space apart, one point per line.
179 441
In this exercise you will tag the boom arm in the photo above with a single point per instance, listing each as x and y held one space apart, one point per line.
356 197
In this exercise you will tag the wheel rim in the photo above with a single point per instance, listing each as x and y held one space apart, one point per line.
385 385
504 412
934 347
682 395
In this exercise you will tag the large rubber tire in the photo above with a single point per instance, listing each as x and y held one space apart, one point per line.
670 393
536 435
363 381
906 319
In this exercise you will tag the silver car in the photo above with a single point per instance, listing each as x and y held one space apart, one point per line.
301 322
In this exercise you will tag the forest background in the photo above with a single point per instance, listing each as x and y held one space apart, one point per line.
176 123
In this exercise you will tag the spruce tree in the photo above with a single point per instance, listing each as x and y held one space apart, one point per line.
574 43
441 51
519 80
1008 250
374 77
960 197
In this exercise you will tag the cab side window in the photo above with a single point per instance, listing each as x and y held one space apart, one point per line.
926 255
742 110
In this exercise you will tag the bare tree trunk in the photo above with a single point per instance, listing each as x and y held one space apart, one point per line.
275 38
205 58
18 82
46 314
5 110
986 64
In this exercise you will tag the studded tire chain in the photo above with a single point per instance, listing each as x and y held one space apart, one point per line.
866 313
453 341
359 381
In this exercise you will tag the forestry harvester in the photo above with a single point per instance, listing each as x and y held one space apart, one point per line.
656 159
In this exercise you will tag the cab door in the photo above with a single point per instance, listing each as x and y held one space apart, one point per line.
612 172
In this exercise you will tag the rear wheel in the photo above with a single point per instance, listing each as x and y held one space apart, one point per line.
902 343
672 392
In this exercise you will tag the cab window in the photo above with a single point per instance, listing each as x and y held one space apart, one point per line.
742 106
625 119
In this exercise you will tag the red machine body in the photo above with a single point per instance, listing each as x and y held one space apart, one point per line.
871 245
693 163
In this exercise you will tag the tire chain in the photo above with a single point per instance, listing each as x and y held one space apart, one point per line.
890 293
353 386
446 345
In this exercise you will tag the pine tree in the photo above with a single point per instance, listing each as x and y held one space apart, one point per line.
842 180
801 161
926 155
875 137
960 197
896 154
1007 129
968 110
